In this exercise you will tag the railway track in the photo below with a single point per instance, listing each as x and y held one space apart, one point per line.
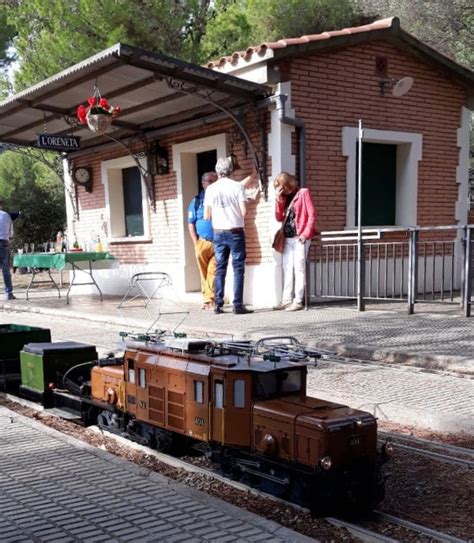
457 455
356 529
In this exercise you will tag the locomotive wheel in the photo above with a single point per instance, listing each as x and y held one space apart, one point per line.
109 421
162 441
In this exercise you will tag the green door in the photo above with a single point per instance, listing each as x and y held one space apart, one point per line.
379 181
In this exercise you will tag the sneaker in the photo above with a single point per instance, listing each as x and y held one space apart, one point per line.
280 306
218 310
294 306
242 310
10 297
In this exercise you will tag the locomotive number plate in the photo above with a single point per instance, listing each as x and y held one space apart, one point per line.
199 421
355 441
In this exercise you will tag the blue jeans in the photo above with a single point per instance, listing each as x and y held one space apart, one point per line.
5 263
226 243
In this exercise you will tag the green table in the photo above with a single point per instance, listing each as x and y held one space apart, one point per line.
61 261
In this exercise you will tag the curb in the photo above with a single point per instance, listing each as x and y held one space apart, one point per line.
286 534
462 366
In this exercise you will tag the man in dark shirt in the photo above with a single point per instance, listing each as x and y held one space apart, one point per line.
201 233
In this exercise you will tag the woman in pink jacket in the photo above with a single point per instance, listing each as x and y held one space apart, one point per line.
295 207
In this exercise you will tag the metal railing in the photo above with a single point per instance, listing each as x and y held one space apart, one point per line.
419 264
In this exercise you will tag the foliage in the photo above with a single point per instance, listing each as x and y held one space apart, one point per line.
236 24
446 26
275 19
30 186
53 34
228 30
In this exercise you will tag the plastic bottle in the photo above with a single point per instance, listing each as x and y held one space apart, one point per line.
98 245
59 242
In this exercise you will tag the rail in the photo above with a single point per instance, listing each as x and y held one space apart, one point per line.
414 264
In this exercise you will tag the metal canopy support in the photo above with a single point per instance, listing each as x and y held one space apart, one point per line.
206 95
208 86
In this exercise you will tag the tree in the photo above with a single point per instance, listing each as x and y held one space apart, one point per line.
446 26
53 35
236 24
28 185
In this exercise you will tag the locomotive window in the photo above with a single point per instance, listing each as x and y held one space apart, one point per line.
131 371
291 381
219 394
142 377
266 385
199 391
239 393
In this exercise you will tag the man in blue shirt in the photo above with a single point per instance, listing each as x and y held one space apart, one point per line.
6 231
201 233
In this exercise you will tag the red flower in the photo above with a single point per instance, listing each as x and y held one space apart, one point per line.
81 114
96 106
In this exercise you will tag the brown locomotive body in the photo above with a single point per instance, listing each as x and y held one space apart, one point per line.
255 416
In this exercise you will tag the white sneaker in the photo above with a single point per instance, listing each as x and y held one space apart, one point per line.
281 305
294 306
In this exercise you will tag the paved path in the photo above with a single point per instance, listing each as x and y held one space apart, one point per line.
436 336
443 403
57 489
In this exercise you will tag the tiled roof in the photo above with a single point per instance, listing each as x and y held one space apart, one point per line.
261 50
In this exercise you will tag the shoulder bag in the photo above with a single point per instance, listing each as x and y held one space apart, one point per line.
279 239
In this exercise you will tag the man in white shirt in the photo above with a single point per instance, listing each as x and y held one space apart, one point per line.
225 204
6 231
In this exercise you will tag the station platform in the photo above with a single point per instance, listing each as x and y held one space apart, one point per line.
56 488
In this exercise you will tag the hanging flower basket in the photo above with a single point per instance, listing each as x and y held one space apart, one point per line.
98 114
98 122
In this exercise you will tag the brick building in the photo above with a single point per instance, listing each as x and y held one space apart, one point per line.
300 110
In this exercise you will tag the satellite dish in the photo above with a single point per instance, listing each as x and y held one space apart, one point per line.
402 86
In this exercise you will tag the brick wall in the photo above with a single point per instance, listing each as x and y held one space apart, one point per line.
166 222
329 91
336 89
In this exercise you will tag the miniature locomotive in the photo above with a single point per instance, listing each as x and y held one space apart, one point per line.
247 403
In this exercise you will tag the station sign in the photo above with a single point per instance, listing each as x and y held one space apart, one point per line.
58 142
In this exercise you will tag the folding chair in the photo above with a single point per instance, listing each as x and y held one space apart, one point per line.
147 291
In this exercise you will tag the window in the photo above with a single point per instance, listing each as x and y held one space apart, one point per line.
395 196
131 371
199 391
142 377
219 394
126 200
266 385
379 179
291 381
132 201
239 393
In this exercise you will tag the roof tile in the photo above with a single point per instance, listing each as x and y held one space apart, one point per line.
287 42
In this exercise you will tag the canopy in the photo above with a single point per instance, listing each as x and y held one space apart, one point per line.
154 91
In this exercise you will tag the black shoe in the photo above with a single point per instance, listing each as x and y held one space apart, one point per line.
218 310
242 310
10 297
